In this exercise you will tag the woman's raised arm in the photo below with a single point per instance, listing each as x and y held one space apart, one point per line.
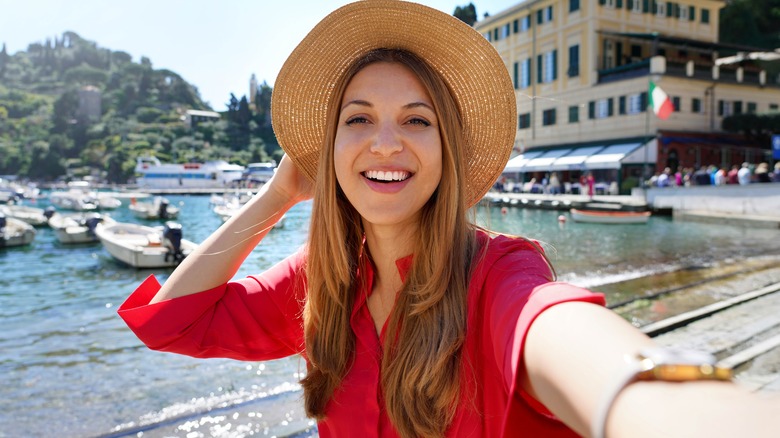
219 257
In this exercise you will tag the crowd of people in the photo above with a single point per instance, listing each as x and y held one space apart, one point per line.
716 176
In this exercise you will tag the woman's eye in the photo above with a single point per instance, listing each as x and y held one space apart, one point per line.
419 121
356 119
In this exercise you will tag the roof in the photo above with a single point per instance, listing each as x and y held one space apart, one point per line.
680 41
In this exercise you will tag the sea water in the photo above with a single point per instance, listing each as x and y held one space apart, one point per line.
71 368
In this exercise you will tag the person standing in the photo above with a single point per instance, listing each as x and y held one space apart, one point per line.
744 175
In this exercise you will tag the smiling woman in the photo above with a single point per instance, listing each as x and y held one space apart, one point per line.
414 321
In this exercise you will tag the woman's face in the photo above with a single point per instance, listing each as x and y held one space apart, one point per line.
387 153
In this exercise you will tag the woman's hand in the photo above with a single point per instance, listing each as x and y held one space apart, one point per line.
288 181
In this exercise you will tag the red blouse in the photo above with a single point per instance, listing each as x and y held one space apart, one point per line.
259 318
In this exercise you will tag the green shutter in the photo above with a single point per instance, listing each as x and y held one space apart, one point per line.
692 13
555 64
591 110
539 63
610 107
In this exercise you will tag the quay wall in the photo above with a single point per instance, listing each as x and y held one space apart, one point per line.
749 200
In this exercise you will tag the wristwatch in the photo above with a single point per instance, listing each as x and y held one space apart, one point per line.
660 363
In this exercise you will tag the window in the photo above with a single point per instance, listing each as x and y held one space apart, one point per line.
773 107
574 114
692 13
516 76
525 23
635 104
737 107
487 36
548 15
660 8
602 109
550 66
525 73
683 13
574 5
636 51
574 61
751 107
505 31
636 6
696 105
591 110
705 16
622 105
676 103
495 34
548 117
524 121
724 108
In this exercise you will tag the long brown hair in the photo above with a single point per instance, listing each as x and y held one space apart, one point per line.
421 365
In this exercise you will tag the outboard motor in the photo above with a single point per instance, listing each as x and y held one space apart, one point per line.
172 235
91 222
162 209
3 223
49 212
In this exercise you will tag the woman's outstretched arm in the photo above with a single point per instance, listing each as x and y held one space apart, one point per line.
219 257
575 352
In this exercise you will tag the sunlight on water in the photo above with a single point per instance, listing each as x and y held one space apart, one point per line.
70 365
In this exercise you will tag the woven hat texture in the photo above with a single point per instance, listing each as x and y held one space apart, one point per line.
467 62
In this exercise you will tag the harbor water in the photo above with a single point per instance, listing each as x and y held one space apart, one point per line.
71 368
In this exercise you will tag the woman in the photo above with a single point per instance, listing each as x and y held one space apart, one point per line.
413 322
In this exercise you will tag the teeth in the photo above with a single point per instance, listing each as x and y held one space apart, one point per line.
387 176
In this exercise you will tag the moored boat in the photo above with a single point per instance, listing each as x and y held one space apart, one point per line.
145 247
153 174
78 227
14 232
610 217
158 208
32 215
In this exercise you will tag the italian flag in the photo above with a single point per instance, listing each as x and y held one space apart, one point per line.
662 105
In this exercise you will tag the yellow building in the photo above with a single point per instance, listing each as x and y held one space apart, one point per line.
582 70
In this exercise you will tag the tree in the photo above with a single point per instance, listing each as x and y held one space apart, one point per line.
466 14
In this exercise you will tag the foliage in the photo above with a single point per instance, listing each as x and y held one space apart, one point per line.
756 127
466 14
46 131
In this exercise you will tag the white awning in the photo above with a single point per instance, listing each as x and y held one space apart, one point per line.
611 156
575 159
516 164
543 162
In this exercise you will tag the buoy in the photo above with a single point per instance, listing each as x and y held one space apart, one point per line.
561 218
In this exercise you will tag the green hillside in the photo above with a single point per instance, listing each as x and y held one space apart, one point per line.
46 133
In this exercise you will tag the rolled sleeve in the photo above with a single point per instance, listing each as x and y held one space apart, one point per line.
255 318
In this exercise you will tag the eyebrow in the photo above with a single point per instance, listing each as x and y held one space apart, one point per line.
368 104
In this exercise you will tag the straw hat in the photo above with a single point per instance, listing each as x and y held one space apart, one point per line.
467 62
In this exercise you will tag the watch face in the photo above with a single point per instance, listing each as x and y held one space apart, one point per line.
663 355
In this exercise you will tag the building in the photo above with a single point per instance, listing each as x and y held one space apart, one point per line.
582 69
193 117
90 108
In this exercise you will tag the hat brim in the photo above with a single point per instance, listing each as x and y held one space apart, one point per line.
466 61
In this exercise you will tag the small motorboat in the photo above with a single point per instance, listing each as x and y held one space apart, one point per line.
78 227
32 215
141 246
158 208
14 232
610 217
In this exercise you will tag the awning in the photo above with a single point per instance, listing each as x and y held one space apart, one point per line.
543 162
575 159
516 164
611 157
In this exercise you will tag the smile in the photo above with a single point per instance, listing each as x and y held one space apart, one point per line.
387 176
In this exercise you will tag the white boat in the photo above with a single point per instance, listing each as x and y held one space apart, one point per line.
78 227
610 217
226 211
14 232
153 174
81 197
32 215
145 247
158 208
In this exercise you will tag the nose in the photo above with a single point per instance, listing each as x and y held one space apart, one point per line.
387 141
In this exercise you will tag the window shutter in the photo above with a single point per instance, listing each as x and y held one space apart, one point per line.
610 107
591 110
539 63
555 64
692 13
